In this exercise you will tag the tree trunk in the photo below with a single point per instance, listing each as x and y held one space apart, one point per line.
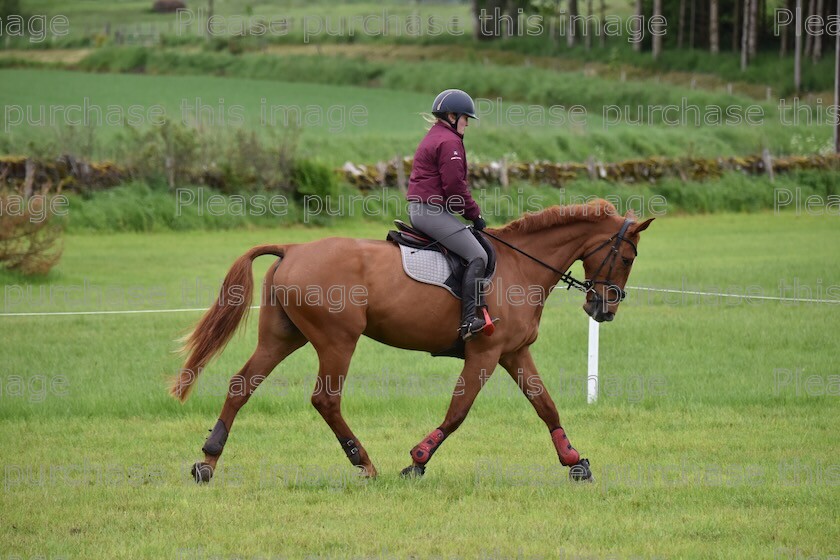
657 36
209 17
475 7
714 31
487 27
745 34
637 45
735 26
837 83
691 26
753 28
571 32
797 54
587 30
784 41
818 37
513 12
602 22
762 20
681 25
809 39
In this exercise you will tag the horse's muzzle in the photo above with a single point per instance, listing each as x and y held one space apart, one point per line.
596 310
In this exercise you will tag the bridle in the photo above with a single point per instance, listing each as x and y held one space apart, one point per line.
610 258
588 285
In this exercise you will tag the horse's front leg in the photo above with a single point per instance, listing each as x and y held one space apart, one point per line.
520 365
478 367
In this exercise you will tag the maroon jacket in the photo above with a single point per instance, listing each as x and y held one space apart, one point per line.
439 173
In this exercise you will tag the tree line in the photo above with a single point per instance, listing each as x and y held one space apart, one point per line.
745 27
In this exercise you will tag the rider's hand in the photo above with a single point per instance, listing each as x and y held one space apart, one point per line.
479 223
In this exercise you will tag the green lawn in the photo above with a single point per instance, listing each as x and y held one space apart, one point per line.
706 442
93 15
361 124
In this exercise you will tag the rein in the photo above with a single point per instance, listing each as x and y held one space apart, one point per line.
564 276
586 285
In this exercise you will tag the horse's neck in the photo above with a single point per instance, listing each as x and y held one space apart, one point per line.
557 246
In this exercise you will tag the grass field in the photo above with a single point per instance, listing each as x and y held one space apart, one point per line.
349 24
715 435
343 122
90 14
715 431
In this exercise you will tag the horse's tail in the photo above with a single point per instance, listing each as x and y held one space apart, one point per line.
219 323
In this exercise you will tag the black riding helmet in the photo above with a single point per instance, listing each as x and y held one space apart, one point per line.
453 101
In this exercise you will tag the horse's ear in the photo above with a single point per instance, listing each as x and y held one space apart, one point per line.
643 226
630 215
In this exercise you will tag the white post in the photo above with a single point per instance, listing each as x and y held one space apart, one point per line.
592 373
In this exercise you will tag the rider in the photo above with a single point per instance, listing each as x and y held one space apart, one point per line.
437 189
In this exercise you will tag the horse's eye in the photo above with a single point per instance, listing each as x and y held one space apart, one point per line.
626 261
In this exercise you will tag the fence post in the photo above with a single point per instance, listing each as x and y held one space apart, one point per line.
382 170
592 365
169 164
768 163
590 166
29 179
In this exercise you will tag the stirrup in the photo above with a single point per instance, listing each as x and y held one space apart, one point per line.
472 327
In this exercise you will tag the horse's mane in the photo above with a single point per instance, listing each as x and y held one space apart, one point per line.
531 222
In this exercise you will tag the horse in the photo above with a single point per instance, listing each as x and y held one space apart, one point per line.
533 252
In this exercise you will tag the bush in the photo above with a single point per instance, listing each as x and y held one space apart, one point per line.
116 59
168 6
142 207
313 178
29 235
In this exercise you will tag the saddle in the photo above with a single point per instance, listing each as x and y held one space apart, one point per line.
429 262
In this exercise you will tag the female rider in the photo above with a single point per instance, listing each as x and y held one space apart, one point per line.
437 190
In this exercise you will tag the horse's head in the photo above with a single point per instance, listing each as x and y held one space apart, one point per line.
607 261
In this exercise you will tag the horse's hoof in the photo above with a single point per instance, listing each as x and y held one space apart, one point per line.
414 471
365 472
202 473
581 472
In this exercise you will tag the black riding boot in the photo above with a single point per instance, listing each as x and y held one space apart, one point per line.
472 299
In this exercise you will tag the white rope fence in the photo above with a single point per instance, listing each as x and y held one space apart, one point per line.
594 326
740 296
629 289
124 312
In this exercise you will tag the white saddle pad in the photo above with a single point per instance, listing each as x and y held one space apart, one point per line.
429 267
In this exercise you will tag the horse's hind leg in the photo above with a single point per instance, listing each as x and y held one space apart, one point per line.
334 361
278 339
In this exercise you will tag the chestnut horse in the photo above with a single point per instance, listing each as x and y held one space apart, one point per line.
532 253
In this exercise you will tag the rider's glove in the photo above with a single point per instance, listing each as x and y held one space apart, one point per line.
479 223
